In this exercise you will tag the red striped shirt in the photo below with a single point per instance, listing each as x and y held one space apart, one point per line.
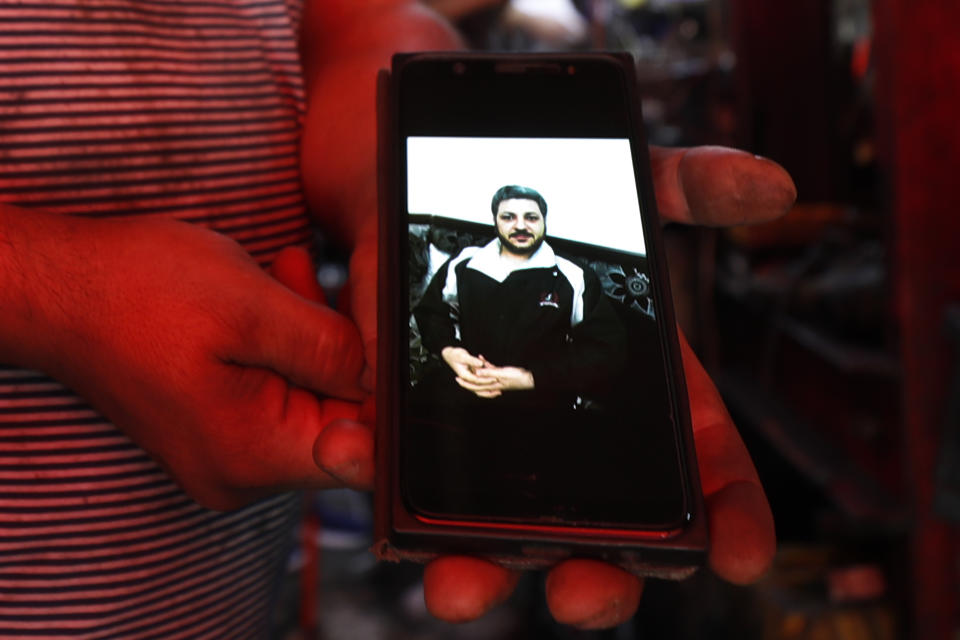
139 107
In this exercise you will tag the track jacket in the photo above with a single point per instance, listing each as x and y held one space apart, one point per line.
548 316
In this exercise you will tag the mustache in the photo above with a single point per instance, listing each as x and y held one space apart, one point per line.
519 234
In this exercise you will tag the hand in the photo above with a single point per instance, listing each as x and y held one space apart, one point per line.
710 186
507 378
462 362
706 185
173 332
466 366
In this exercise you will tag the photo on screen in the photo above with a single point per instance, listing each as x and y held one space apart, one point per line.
533 342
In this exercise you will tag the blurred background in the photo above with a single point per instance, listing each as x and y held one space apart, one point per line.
831 334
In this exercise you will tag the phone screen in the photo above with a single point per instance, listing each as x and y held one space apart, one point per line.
536 388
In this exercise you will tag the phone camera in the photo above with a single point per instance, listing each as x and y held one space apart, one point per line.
571 70
459 68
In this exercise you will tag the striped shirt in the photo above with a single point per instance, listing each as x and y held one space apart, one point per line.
182 108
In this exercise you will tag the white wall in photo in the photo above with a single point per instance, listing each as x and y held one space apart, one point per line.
588 184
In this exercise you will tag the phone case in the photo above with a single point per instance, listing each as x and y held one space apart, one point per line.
400 534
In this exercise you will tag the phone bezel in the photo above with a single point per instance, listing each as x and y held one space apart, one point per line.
660 550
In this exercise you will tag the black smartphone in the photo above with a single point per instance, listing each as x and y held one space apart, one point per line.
531 399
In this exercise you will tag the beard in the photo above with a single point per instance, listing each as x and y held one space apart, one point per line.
507 244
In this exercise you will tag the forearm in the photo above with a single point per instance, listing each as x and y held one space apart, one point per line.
345 43
436 329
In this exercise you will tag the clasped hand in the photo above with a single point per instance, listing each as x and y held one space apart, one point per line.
477 374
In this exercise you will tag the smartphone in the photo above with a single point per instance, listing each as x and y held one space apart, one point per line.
531 398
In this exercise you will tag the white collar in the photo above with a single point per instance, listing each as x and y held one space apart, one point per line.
488 261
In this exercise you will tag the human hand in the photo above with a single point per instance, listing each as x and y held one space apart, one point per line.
705 185
506 378
225 376
466 366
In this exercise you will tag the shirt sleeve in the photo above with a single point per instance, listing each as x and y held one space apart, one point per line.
437 319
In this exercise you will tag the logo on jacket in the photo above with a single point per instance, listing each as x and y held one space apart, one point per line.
549 300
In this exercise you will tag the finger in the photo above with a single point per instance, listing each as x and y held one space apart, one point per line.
363 303
492 385
590 594
472 361
717 186
461 588
489 394
344 450
306 343
742 535
466 375
283 458
293 267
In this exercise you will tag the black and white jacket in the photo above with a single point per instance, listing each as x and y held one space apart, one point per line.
548 316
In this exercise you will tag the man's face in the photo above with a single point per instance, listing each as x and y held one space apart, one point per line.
521 226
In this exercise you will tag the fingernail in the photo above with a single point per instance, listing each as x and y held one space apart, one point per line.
353 473
344 450
347 472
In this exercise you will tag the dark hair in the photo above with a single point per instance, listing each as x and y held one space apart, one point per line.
512 191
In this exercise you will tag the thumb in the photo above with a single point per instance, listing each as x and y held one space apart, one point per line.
285 458
306 343
345 450
474 361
